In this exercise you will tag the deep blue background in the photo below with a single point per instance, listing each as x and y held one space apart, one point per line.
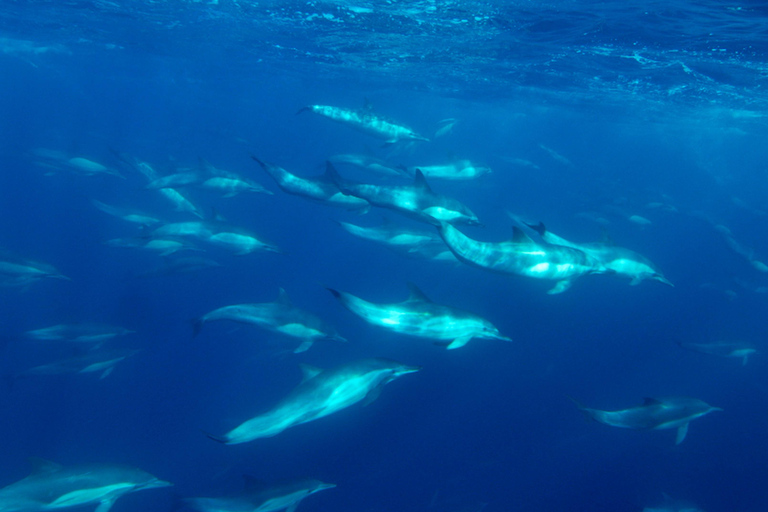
487 424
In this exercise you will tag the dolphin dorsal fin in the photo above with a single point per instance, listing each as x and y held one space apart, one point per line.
416 294
251 483
43 466
309 371
420 182
540 228
283 298
651 401
519 236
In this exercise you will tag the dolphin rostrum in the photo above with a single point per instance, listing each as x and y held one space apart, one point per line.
259 497
522 256
416 201
418 316
322 392
734 349
280 316
654 414
51 486
367 122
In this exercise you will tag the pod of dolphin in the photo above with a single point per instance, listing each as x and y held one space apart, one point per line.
532 252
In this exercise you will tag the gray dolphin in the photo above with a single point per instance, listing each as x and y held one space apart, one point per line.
260 497
103 362
368 163
416 201
733 349
457 170
418 316
51 486
235 239
20 272
58 161
125 214
672 505
85 333
522 256
367 122
618 259
654 414
318 188
322 392
280 316
407 241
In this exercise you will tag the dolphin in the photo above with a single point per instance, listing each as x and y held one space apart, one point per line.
216 233
16 271
163 246
322 392
319 188
135 217
93 334
722 349
176 180
654 414
458 170
418 316
617 259
259 497
51 486
672 505
177 199
367 163
280 316
367 122
102 362
390 234
522 256
416 201
59 161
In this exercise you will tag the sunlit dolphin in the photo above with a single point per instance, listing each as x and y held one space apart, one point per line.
367 122
260 497
238 240
390 234
58 161
735 349
125 214
317 188
416 201
622 261
53 487
522 256
322 392
655 414
418 316
280 316
209 177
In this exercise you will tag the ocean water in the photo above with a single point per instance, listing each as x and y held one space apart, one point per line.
588 113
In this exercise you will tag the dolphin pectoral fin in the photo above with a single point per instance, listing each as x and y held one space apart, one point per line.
681 433
106 504
636 281
560 286
106 372
458 342
373 395
303 347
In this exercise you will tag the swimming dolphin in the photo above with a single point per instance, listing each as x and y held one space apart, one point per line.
367 163
390 234
280 316
318 188
722 349
59 161
416 201
20 272
654 414
418 316
51 486
103 362
85 333
163 246
259 497
617 259
522 256
135 217
322 392
209 177
367 122
217 233
671 505
458 170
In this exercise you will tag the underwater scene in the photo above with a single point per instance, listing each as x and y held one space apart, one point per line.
419 255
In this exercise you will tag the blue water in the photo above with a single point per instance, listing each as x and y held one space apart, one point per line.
583 110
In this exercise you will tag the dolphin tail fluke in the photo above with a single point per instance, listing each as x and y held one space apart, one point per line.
335 293
218 439
681 433
583 408
197 326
